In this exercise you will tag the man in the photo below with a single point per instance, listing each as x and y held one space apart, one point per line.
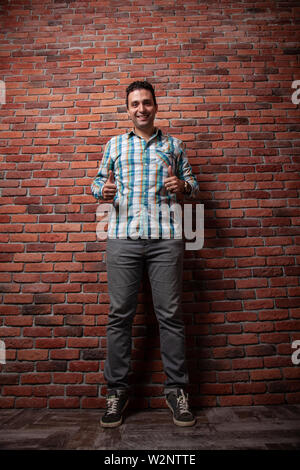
142 170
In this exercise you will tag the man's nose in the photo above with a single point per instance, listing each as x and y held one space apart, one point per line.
141 108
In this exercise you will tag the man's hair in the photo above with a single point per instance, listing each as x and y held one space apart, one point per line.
138 85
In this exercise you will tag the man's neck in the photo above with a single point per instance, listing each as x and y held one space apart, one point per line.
145 134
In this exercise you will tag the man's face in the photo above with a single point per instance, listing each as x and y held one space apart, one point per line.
141 109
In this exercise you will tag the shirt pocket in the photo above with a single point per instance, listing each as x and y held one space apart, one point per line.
164 160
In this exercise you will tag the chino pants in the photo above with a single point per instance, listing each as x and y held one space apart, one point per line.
163 259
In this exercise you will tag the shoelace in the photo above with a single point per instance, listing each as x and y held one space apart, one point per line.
112 405
183 405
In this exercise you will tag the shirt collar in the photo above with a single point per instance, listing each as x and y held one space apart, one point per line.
157 132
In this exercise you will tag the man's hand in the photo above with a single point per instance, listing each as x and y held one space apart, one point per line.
109 189
172 183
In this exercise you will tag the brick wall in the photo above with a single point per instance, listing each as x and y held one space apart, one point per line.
223 73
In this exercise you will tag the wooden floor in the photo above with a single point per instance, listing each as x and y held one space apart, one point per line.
244 428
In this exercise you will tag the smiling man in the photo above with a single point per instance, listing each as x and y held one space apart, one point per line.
142 169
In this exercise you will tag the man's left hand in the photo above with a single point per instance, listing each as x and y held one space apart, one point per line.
172 183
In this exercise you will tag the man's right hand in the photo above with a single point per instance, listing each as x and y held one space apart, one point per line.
109 189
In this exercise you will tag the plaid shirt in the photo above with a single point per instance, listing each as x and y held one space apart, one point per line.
140 169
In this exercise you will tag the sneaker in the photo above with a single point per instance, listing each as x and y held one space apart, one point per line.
178 404
116 403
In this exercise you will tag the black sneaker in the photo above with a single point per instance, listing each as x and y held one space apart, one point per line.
178 404
116 403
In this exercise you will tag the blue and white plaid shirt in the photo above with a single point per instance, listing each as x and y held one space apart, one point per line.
140 169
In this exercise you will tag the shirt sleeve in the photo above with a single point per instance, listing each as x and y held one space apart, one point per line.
185 172
106 165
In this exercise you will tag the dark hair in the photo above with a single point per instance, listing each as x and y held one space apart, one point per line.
138 85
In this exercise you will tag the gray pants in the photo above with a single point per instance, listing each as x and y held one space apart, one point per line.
163 259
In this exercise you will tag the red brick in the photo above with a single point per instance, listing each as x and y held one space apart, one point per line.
93 403
268 399
18 390
7 402
64 403
81 390
236 400
67 377
36 355
249 388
